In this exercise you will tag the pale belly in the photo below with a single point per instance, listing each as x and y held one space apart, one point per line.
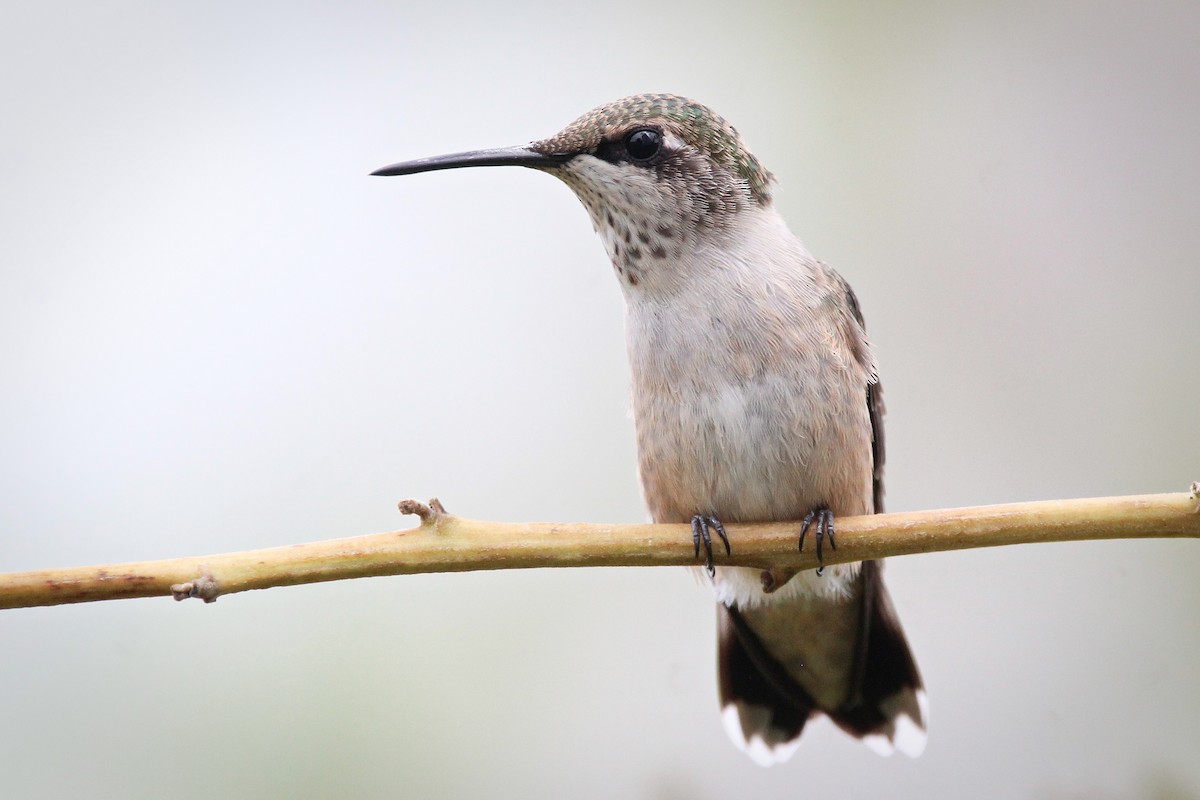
763 450
760 450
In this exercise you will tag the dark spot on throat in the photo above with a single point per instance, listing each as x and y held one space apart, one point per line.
658 251
665 231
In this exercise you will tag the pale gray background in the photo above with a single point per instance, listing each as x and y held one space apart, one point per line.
217 333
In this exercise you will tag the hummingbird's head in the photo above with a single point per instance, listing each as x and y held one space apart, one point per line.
656 172
656 168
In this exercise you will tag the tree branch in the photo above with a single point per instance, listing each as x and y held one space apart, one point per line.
445 543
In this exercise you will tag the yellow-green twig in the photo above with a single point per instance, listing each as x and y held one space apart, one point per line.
446 543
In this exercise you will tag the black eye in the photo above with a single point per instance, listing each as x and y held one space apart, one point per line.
643 144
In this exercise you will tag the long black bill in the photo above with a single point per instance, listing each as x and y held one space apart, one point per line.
499 157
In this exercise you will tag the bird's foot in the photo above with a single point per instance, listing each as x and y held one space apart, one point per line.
821 520
701 524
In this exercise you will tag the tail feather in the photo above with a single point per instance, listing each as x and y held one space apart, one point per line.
764 711
765 705
889 708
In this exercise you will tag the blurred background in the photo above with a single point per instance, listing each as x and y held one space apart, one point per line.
218 333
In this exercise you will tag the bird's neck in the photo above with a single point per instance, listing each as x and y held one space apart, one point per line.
656 261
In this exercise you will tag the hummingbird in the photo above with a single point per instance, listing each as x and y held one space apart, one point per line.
755 398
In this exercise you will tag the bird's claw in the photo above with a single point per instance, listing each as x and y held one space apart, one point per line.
701 524
823 519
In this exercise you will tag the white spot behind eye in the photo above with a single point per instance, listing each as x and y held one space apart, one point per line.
672 142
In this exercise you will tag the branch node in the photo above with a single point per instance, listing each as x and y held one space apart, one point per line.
429 514
774 578
205 587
